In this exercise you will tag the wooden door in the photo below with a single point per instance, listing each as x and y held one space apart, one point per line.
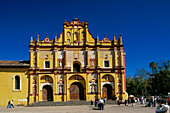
105 92
44 94
74 92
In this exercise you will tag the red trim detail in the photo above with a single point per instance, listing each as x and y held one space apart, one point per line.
31 94
65 58
124 73
87 57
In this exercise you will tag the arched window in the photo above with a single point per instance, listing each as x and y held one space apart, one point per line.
47 64
17 82
76 67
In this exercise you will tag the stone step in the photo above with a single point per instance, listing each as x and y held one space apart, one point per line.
68 103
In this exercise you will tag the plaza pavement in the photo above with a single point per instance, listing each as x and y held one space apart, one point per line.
138 108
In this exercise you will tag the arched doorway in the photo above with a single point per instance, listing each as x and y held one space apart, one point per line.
47 93
107 91
76 91
76 67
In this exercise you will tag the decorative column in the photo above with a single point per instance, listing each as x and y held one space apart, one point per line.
55 87
121 58
31 58
37 87
124 71
37 57
65 59
116 84
99 85
30 87
115 54
98 59
122 81
55 58
37 50
65 87
87 87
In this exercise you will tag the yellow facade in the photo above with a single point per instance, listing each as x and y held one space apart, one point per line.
75 66
8 91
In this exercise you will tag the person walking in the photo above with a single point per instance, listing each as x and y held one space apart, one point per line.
96 103
133 101
118 102
91 102
126 102
12 105
129 100
9 104
101 103
104 100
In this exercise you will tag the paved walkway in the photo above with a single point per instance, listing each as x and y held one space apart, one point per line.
138 108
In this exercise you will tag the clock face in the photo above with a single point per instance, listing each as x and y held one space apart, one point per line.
105 40
46 39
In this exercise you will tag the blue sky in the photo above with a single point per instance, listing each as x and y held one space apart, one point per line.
143 24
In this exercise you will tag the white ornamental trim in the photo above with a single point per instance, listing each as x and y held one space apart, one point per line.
43 84
103 83
47 40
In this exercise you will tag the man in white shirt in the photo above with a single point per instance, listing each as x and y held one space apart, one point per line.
101 104
12 105
162 108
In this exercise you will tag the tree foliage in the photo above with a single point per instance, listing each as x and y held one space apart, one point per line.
155 83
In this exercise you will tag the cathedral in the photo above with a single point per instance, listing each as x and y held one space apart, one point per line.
76 66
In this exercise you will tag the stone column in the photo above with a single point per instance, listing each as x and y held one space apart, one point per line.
98 59
65 59
121 58
30 87
115 54
55 58
37 58
87 86
65 87
99 85
37 87
31 58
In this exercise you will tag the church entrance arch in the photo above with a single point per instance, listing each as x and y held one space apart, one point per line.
76 91
107 91
47 93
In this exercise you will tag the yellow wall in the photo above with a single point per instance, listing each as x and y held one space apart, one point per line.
6 86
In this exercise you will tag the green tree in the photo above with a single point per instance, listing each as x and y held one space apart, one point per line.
160 77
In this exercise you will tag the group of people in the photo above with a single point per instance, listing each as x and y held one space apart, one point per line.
10 104
99 103
127 101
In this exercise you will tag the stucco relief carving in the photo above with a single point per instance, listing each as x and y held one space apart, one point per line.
104 53
43 54
60 77
60 54
92 76
118 58
92 54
